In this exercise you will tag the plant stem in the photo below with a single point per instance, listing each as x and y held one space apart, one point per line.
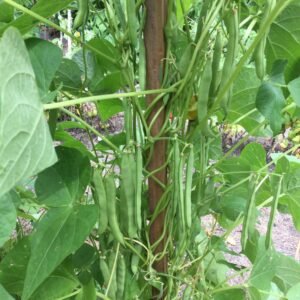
105 97
51 24
92 129
274 14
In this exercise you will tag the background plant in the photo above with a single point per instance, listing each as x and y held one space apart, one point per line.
122 220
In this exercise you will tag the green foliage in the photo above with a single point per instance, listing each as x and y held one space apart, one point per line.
8 216
26 145
45 59
86 206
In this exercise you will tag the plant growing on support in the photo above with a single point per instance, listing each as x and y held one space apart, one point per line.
121 218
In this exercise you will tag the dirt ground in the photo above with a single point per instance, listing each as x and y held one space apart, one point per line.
286 239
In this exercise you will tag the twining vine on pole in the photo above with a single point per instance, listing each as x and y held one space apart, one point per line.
155 54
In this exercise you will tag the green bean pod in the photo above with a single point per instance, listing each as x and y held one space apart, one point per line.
232 24
215 67
259 53
179 182
188 188
273 212
128 191
110 188
121 277
104 270
113 274
259 60
120 13
203 13
204 90
139 185
250 214
132 22
175 173
82 14
135 259
100 196
142 64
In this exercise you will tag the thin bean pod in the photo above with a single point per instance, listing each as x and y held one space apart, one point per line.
232 25
188 188
204 90
128 187
82 14
110 188
139 185
101 201
121 277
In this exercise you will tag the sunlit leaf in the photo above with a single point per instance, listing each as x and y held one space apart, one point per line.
59 233
45 59
26 145
65 182
8 216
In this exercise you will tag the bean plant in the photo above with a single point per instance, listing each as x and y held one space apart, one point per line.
148 212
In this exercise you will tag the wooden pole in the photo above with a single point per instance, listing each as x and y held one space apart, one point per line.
156 11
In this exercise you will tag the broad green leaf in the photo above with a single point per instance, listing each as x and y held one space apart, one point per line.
44 8
68 141
291 187
13 270
59 233
215 272
284 41
243 101
13 267
294 88
235 169
59 284
277 73
255 155
8 216
294 292
69 125
270 101
232 294
6 13
290 158
234 203
65 182
84 256
263 271
186 6
253 293
88 291
45 59
287 273
4 295
117 139
109 52
94 71
69 76
275 293
109 84
26 145
108 108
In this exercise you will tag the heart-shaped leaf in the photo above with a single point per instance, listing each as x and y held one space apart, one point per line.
61 232
26 145
8 216
65 182
45 59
